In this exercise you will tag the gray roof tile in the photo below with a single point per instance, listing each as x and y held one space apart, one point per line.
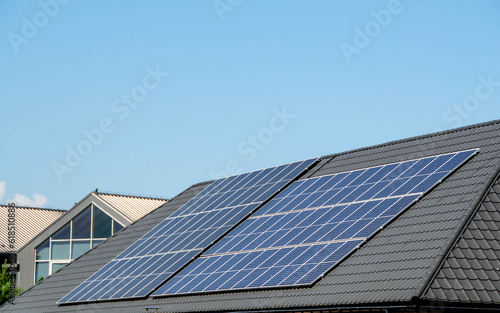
495 296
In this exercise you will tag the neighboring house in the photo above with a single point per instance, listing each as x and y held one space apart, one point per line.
406 238
28 223
88 223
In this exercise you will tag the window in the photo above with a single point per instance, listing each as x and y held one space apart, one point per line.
102 224
116 227
42 270
57 266
79 248
81 224
96 242
63 233
42 252
60 250
85 231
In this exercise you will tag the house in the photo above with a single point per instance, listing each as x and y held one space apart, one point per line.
439 252
88 223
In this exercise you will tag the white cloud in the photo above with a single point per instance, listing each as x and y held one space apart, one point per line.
38 200
2 190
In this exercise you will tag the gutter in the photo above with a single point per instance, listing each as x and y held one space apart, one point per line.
340 309
381 308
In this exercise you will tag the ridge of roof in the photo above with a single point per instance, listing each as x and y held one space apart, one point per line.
414 138
33 208
206 182
129 195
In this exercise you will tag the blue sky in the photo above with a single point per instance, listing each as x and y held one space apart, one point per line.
148 98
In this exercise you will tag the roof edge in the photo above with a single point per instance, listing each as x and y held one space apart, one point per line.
117 210
33 208
206 182
129 195
450 244
349 308
398 141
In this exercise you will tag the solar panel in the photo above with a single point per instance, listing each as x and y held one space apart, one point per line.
312 225
169 246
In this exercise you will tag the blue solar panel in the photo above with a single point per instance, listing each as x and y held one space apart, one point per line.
169 246
311 226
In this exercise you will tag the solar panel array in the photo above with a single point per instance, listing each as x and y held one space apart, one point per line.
311 226
165 249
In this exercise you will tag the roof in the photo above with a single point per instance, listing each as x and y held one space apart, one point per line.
132 207
411 260
29 222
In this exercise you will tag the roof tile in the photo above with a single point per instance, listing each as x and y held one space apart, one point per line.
491 285
494 296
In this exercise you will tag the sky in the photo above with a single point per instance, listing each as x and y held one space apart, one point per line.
150 97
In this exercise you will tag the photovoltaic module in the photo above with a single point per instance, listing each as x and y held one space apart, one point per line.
311 226
165 249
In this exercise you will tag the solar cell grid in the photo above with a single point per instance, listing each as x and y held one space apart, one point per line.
165 249
311 226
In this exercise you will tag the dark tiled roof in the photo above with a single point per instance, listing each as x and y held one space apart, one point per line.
471 273
395 266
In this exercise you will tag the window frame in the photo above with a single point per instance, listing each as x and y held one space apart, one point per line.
70 241
91 206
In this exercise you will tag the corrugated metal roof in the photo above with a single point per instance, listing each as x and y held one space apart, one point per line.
29 222
392 267
132 207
